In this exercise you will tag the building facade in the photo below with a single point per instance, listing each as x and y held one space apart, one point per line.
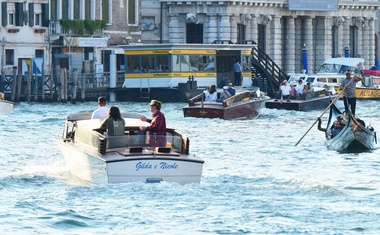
32 36
278 29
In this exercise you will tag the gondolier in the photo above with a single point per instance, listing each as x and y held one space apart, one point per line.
349 83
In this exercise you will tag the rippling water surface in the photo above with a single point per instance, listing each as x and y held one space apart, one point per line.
255 180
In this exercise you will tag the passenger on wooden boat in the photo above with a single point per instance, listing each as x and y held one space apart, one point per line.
231 89
211 95
284 90
300 89
224 95
319 83
102 111
114 124
350 91
157 128
336 128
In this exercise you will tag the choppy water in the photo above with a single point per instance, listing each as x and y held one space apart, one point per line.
255 181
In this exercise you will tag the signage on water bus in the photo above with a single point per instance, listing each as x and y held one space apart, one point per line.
315 5
160 166
368 93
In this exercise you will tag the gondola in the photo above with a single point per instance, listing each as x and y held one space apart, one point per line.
355 136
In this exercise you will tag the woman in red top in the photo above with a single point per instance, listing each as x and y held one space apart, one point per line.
157 128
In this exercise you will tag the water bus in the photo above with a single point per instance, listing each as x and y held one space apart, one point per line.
181 71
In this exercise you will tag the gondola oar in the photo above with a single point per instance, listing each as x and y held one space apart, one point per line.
328 107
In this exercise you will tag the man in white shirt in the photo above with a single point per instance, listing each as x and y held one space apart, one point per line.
102 111
285 90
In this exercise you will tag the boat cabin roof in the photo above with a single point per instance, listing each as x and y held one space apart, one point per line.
87 116
93 124
349 61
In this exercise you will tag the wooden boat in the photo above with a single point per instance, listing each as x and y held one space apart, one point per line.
97 158
354 137
319 99
243 105
5 107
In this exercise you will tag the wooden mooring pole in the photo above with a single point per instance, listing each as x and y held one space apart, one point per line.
74 86
14 83
83 87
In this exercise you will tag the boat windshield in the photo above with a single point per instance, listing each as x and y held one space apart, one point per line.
132 138
337 69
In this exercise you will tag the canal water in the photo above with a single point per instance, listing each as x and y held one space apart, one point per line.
255 180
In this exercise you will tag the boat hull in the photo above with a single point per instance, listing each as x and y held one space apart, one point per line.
300 105
240 110
354 137
114 167
5 107
369 93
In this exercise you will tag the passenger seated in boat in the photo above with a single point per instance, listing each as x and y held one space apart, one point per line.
231 89
114 124
307 90
224 95
102 111
300 89
211 95
335 129
319 83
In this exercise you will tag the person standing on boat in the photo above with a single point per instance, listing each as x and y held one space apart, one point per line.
114 124
102 111
157 128
238 73
349 83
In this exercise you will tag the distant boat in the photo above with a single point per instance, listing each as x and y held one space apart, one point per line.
333 71
369 88
5 107
97 158
354 137
318 99
243 105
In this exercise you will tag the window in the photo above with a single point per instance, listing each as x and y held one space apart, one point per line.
76 10
185 63
107 11
131 11
354 32
53 9
241 32
335 41
147 63
9 57
65 9
194 33
39 54
37 19
87 10
11 19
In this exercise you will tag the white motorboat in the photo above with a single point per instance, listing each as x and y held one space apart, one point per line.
93 156
5 107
